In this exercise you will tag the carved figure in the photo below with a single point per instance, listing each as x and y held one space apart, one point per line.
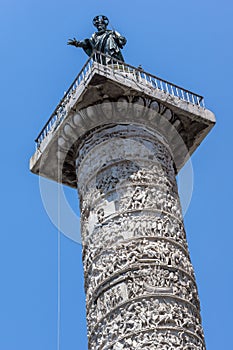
108 42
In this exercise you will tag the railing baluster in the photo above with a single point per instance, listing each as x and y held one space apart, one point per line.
150 81
161 85
140 76
193 99
172 90
182 94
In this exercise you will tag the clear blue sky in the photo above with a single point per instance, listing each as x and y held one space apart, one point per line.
186 42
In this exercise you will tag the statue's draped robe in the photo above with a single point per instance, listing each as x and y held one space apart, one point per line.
108 42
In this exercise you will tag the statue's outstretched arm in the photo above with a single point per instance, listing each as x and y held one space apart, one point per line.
75 42
85 44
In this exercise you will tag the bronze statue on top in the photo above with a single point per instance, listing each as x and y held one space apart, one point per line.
104 40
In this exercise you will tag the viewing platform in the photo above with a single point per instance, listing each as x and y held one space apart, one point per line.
101 82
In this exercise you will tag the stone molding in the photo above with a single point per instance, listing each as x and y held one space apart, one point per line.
182 130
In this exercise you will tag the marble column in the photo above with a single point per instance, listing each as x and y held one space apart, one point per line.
139 281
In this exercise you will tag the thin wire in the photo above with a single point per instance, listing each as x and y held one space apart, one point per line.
58 290
58 262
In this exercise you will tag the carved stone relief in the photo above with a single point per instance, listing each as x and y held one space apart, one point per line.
133 225
146 314
140 285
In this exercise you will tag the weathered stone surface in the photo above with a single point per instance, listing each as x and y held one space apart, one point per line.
139 280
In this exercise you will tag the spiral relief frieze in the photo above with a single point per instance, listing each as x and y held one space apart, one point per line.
139 280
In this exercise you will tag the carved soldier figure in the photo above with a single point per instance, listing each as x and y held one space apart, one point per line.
108 42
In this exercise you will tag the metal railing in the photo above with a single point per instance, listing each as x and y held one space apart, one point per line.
138 75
